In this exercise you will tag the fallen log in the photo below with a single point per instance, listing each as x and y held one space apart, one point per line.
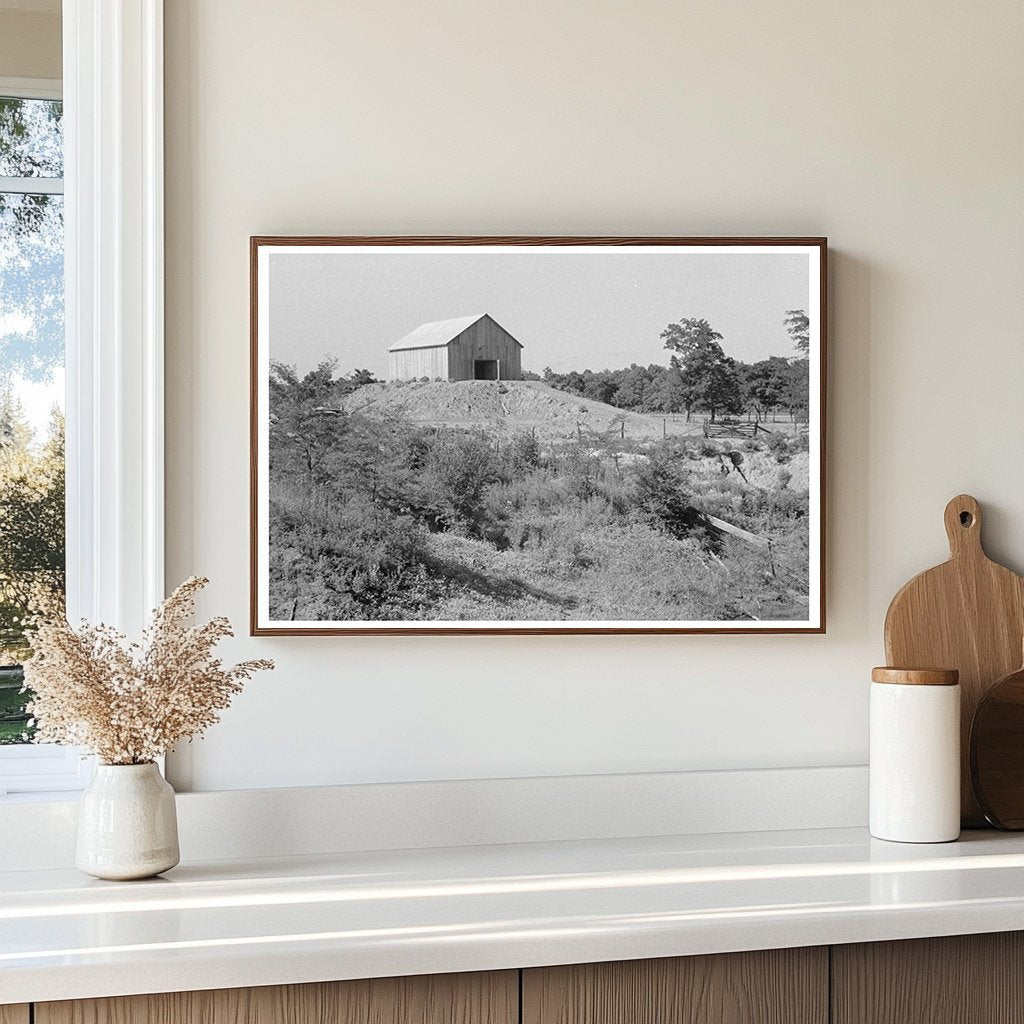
736 531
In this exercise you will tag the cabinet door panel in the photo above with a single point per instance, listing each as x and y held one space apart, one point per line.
490 998
961 979
14 1014
779 986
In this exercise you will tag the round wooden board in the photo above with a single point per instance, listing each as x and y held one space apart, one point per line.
997 752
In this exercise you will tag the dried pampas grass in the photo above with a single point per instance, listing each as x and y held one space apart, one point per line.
130 703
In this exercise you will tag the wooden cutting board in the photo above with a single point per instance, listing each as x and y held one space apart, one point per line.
967 614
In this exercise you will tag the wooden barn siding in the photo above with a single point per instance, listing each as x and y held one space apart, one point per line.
484 340
413 363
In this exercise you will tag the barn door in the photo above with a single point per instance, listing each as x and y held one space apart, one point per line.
485 369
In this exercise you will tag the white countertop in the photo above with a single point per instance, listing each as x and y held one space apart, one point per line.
298 919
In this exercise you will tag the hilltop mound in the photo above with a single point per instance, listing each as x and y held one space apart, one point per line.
507 406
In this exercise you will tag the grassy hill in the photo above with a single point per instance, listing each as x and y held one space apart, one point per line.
503 406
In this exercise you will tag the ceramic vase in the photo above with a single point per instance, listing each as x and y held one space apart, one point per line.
127 825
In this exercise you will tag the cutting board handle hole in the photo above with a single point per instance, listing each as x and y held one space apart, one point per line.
966 519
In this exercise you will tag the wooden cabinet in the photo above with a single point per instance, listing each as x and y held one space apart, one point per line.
491 998
778 986
968 979
962 979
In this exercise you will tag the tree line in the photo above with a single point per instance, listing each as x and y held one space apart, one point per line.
31 523
700 377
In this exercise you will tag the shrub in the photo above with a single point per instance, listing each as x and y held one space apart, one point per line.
662 494
779 447
350 561
775 508
522 452
458 468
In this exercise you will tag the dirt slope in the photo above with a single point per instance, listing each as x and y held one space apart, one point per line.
508 406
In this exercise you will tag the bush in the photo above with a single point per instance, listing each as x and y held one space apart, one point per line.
522 453
662 494
775 508
458 468
779 447
354 561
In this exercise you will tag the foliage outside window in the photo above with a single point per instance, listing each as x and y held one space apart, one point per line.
31 386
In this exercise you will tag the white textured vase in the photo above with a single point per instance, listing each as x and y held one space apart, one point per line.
127 824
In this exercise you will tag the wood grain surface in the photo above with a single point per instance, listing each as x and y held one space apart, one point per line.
962 979
779 986
997 752
483 998
967 614
915 676
14 1014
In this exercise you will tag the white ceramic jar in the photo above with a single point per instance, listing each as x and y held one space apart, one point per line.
127 823
915 755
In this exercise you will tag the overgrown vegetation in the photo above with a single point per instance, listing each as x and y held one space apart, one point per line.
376 517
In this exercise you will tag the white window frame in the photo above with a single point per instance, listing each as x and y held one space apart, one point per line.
37 767
114 264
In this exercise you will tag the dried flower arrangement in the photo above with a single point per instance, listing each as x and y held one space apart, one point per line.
130 703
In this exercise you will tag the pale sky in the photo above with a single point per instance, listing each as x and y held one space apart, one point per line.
38 398
570 311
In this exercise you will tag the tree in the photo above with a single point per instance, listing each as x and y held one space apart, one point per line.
302 421
799 327
360 378
667 392
31 525
721 388
797 394
631 388
690 336
709 376
766 384
598 387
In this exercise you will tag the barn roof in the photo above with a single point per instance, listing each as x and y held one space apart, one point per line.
438 333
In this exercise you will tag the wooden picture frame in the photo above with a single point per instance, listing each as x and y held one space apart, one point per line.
354 284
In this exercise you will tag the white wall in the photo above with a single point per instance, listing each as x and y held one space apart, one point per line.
895 129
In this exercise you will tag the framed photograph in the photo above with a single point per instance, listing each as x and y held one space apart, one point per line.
537 435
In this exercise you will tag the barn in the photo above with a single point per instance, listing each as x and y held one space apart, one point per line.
466 348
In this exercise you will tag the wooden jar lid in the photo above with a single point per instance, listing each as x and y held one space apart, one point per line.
916 676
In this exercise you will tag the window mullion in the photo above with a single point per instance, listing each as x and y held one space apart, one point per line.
32 186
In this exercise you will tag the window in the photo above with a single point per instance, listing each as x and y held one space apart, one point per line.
111 206
32 530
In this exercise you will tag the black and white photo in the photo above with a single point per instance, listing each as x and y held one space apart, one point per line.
550 435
